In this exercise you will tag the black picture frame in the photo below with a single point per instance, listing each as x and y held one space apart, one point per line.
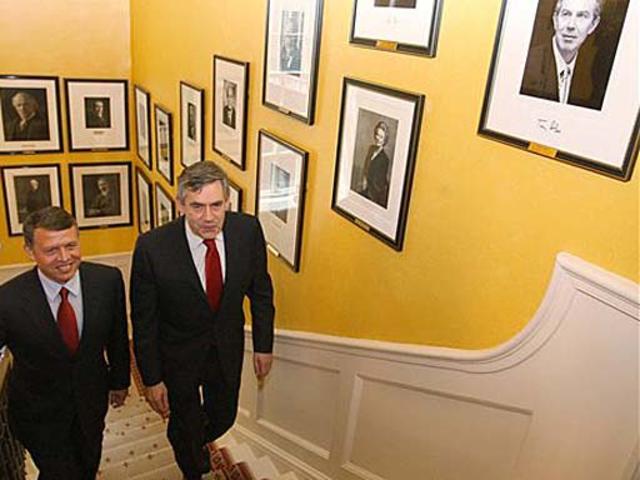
280 196
143 125
290 72
164 142
230 109
101 194
144 202
376 158
28 188
97 114
38 98
165 206
405 26
191 124
235 197
592 123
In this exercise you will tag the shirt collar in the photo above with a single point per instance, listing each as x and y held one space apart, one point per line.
560 63
194 240
52 288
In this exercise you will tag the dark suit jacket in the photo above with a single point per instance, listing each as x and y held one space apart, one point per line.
48 386
376 171
541 79
35 129
173 325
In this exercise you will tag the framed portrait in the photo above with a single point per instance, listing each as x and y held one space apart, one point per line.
235 197
165 206
97 114
164 143
144 202
376 156
565 82
230 84
143 134
28 188
101 194
191 124
291 57
409 26
30 115
281 184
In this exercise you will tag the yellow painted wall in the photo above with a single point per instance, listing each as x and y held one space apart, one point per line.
68 39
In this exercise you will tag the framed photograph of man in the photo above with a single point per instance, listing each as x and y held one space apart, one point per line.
101 194
144 202
143 122
291 57
28 188
191 124
565 82
409 26
164 142
165 206
281 185
97 114
230 84
29 115
376 156
235 197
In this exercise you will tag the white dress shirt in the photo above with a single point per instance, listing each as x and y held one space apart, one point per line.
52 292
564 72
199 251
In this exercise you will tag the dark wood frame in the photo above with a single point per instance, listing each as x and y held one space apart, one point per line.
141 175
395 242
238 190
125 96
303 156
147 96
55 116
200 93
160 188
157 108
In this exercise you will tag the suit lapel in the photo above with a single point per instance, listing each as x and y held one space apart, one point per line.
90 298
185 259
231 252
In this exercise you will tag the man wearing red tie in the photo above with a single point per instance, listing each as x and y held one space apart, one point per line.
188 282
58 320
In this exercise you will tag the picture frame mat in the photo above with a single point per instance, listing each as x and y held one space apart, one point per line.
143 183
191 151
143 142
162 197
162 113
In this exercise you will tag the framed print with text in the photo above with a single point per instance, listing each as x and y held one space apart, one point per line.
235 197
144 202
143 122
191 124
291 57
409 26
164 143
565 82
29 114
281 184
101 194
377 146
165 206
97 114
28 188
230 84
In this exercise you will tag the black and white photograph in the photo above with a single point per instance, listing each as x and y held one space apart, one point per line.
230 86
191 124
235 197
101 194
143 122
144 202
30 115
97 114
291 57
28 189
407 26
565 82
377 149
164 143
281 186
165 206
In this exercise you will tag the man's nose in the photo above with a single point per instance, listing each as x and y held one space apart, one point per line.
209 213
63 254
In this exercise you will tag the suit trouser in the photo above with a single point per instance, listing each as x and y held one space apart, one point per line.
196 420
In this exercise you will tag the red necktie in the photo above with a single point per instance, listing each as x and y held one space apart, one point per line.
67 322
213 274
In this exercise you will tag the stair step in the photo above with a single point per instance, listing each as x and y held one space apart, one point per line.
128 451
169 472
139 465
134 434
127 423
240 453
264 468
133 406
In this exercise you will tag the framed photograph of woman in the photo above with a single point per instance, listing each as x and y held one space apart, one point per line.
28 188
230 84
101 194
97 114
164 142
281 185
565 82
409 26
191 124
29 115
376 156
143 120
165 206
291 57
144 202
235 197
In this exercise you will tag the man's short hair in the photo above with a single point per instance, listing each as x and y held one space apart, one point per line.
196 176
596 11
48 218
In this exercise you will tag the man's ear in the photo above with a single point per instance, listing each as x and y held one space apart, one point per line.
594 25
29 251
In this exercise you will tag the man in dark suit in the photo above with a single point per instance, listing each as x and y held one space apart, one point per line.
188 282
555 71
58 319
97 116
28 123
